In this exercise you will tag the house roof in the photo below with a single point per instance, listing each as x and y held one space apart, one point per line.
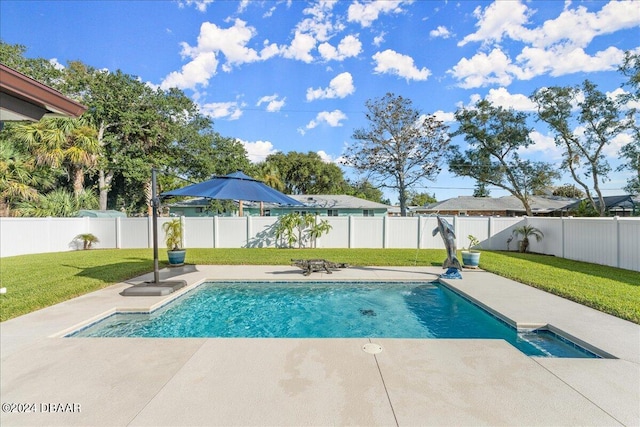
625 201
505 203
337 201
324 201
23 98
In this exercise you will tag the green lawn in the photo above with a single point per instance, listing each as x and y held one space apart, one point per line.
37 281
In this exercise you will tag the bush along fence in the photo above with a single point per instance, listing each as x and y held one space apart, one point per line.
607 241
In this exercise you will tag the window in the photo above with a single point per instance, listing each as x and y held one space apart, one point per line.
267 212
332 212
367 212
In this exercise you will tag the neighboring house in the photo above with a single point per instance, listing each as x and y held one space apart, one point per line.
625 205
321 204
199 206
495 206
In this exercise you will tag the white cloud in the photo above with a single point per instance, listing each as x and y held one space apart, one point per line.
230 42
556 47
332 118
379 39
200 5
257 151
328 158
613 148
617 93
273 103
498 19
578 27
558 61
320 24
56 64
542 144
367 12
445 117
483 69
502 98
300 48
441 32
226 110
348 47
339 87
196 72
392 62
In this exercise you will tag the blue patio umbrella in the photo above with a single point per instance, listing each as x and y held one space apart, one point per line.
235 186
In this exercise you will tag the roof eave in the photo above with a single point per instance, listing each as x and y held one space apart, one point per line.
32 100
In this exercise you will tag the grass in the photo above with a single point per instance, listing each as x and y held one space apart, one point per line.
41 280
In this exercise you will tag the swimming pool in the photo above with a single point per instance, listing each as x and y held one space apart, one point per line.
327 310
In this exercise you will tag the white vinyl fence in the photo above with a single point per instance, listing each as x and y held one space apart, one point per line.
607 241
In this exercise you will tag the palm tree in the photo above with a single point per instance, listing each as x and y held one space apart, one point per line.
71 144
20 179
58 203
527 231
270 175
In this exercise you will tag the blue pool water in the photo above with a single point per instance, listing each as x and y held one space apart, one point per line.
321 310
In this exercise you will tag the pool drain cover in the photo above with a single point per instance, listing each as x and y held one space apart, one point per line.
372 348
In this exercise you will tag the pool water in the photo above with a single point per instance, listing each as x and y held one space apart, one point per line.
327 310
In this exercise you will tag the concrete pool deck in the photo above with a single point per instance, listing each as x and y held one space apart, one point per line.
317 382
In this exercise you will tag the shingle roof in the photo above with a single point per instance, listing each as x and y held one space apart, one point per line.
337 201
511 203
325 201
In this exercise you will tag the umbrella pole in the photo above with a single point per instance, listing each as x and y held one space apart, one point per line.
154 205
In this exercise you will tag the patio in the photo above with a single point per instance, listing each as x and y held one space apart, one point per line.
128 381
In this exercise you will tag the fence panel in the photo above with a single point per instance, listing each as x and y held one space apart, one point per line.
470 225
262 232
134 233
338 236
500 231
199 232
232 232
552 242
629 243
367 232
402 232
591 240
105 229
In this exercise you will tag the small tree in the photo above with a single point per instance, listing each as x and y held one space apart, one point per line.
296 228
173 231
286 226
401 147
88 240
527 231
585 121
494 137
318 229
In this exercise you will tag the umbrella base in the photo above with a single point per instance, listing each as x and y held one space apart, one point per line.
153 289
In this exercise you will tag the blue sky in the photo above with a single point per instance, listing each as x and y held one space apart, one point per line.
294 76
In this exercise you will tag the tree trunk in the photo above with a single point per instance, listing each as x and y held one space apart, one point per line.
402 197
104 183
78 180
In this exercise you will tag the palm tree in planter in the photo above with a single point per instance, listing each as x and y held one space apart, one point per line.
471 257
527 231
173 240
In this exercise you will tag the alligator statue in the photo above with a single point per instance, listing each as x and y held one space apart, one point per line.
313 265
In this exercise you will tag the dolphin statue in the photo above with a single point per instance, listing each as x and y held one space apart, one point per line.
449 237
